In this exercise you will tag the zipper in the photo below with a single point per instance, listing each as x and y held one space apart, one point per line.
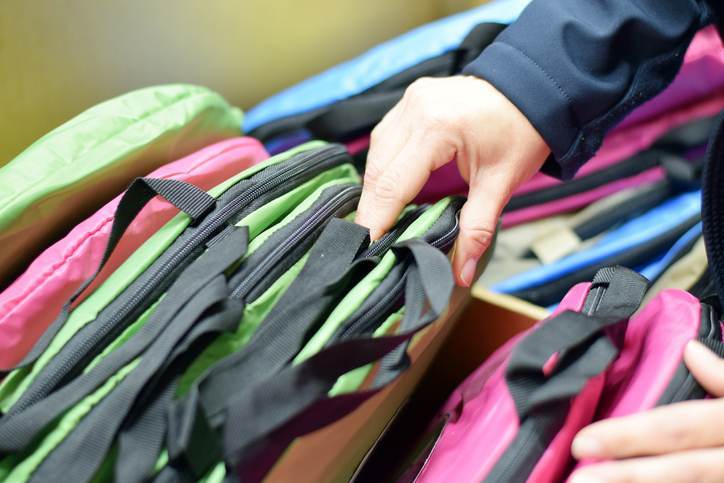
209 226
384 243
315 220
683 386
370 317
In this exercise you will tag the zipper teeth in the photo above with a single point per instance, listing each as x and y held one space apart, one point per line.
385 243
390 298
316 219
216 220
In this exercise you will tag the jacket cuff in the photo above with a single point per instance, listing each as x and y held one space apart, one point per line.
537 95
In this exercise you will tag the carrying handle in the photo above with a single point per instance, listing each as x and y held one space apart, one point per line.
188 198
577 339
295 401
712 205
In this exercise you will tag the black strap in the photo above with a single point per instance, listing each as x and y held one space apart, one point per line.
19 428
578 340
328 270
186 197
353 115
262 420
82 452
712 211
141 442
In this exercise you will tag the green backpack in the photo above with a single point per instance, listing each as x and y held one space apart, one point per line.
68 173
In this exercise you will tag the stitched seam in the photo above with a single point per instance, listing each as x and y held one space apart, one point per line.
552 80
573 153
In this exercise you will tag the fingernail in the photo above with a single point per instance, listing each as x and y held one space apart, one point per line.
582 477
586 447
468 272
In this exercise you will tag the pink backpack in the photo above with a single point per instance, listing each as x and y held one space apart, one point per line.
31 302
515 417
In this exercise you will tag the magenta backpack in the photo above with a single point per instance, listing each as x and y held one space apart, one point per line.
597 356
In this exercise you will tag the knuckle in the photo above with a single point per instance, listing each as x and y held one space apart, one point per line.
387 188
482 237
373 171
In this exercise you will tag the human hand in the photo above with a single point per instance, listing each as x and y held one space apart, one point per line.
438 120
682 442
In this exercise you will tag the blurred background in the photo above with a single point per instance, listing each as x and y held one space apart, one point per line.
59 57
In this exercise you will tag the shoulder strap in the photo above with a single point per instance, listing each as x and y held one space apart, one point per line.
186 197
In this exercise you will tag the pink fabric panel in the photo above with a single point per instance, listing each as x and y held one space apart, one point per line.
575 202
484 420
653 349
623 143
33 301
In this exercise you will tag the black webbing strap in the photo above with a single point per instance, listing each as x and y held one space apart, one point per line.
328 270
19 428
712 206
579 341
83 451
140 444
263 419
186 197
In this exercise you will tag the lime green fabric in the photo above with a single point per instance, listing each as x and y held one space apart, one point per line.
73 170
258 309
351 381
359 293
297 201
17 381
22 471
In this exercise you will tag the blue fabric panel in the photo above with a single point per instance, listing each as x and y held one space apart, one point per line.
633 233
379 63
655 269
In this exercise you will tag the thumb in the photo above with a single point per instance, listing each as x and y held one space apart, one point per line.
707 367
478 221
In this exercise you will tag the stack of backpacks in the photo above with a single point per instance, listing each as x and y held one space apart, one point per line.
181 333
177 305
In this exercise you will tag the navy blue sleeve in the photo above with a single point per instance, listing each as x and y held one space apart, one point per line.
576 67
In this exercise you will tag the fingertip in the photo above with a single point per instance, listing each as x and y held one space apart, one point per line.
585 446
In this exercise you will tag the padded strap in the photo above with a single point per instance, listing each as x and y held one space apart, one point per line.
712 211
186 197
577 339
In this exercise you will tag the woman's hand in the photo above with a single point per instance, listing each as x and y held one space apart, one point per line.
683 442
439 120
